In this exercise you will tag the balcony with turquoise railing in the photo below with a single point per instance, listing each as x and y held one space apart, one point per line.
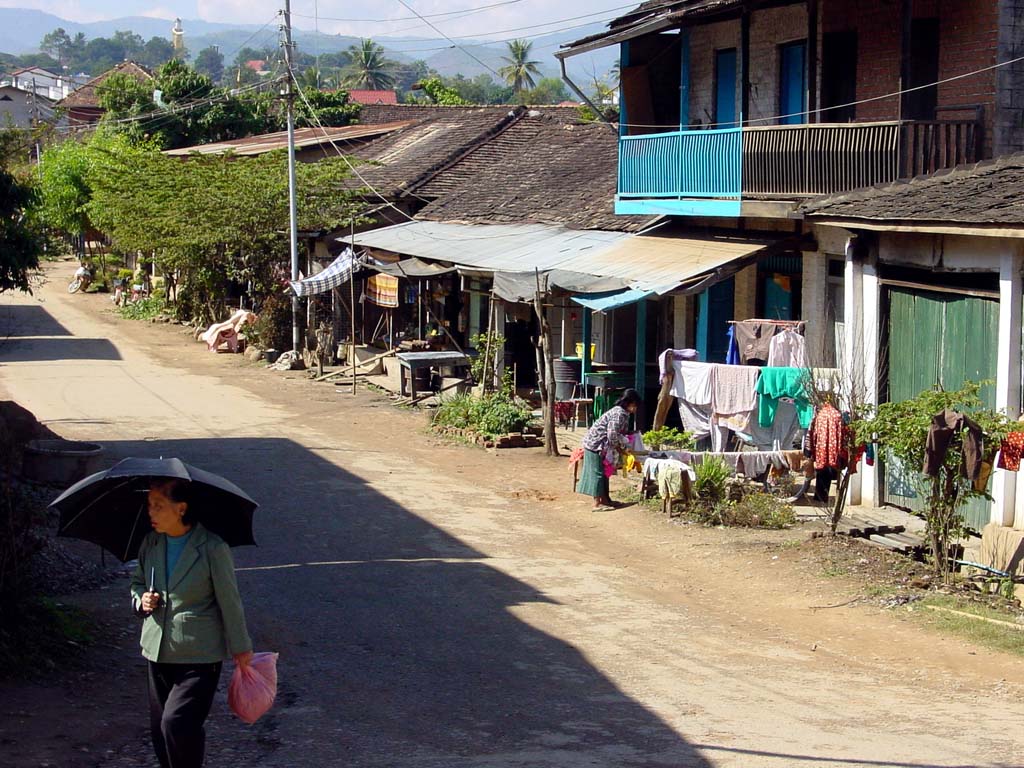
743 171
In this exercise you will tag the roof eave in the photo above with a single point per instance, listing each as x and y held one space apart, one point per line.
613 38
976 229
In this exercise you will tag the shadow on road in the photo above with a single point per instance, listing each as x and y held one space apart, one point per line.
29 320
399 643
30 334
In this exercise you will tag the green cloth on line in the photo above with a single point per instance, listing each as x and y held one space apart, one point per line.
783 382
593 481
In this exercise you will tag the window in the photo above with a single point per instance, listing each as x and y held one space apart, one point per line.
839 76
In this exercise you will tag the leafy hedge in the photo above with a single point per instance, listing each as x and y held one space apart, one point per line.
495 413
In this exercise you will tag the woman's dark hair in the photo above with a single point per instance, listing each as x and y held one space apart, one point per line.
629 397
179 491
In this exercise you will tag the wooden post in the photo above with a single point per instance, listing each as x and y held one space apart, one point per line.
546 369
352 301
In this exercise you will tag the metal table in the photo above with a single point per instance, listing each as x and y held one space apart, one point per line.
413 361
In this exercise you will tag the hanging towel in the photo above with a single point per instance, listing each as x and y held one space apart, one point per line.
783 382
787 349
382 290
666 358
734 389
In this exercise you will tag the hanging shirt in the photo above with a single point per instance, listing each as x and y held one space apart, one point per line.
783 382
1010 451
945 426
787 349
827 438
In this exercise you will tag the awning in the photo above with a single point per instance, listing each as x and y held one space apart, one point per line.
491 247
602 302
669 260
522 286
337 273
410 268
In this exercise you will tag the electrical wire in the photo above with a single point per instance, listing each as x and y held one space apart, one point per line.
465 11
450 40
883 97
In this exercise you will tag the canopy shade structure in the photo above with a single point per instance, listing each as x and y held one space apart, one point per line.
603 302
663 262
522 286
410 268
338 273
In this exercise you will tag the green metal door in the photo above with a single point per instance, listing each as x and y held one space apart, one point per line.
944 339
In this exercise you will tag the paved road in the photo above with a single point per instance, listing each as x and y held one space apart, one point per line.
426 619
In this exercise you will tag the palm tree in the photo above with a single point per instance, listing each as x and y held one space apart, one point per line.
369 68
520 70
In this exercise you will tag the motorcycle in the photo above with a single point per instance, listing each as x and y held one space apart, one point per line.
81 280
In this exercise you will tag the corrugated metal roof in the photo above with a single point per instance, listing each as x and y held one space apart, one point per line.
656 263
490 247
304 137
664 261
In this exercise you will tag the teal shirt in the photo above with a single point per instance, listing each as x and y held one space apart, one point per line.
783 382
175 546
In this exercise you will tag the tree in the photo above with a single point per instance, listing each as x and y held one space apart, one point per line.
123 97
407 75
20 235
520 71
369 67
131 43
156 51
439 93
57 44
326 108
210 62
550 90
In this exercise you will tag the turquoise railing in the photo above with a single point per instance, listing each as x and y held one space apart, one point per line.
682 164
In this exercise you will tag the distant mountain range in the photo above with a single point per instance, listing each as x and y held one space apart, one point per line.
21 29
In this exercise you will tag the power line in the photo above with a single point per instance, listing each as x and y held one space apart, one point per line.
464 11
450 40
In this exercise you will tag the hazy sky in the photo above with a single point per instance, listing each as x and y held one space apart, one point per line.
383 17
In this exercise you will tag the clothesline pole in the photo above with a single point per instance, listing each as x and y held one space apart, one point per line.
419 311
640 377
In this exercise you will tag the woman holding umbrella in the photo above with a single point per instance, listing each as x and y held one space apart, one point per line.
185 588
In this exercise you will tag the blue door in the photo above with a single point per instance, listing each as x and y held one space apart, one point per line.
793 83
725 88
714 311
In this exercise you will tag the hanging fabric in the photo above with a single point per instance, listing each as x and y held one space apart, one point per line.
787 349
382 290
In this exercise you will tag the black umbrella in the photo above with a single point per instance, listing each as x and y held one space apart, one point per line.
109 508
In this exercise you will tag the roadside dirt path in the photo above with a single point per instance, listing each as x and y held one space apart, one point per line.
437 605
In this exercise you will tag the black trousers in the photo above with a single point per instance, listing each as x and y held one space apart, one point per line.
180 696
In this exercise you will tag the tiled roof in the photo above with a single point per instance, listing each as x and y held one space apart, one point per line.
86 95
362 96
538 170
304 137
403 159
389 113
988 193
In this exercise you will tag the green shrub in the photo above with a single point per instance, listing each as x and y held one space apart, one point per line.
668 438
495 413
712 477
273 326
144 309
755 510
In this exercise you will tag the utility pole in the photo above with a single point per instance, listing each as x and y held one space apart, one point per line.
293 227
36 120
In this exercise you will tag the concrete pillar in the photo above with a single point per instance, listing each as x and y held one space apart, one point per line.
814 294
1008 377
745 294
869 340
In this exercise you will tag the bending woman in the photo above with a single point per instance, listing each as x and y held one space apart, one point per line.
185 588
608 433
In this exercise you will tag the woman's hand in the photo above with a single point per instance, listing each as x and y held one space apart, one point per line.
243 659
150 601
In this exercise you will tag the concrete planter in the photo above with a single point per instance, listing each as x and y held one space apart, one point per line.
60 462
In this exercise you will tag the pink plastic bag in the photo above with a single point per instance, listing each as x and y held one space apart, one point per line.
252 689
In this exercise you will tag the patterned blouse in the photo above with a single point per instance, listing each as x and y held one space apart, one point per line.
608 431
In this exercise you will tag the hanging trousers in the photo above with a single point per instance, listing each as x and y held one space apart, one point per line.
180 696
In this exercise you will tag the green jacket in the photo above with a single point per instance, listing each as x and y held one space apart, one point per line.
200 619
